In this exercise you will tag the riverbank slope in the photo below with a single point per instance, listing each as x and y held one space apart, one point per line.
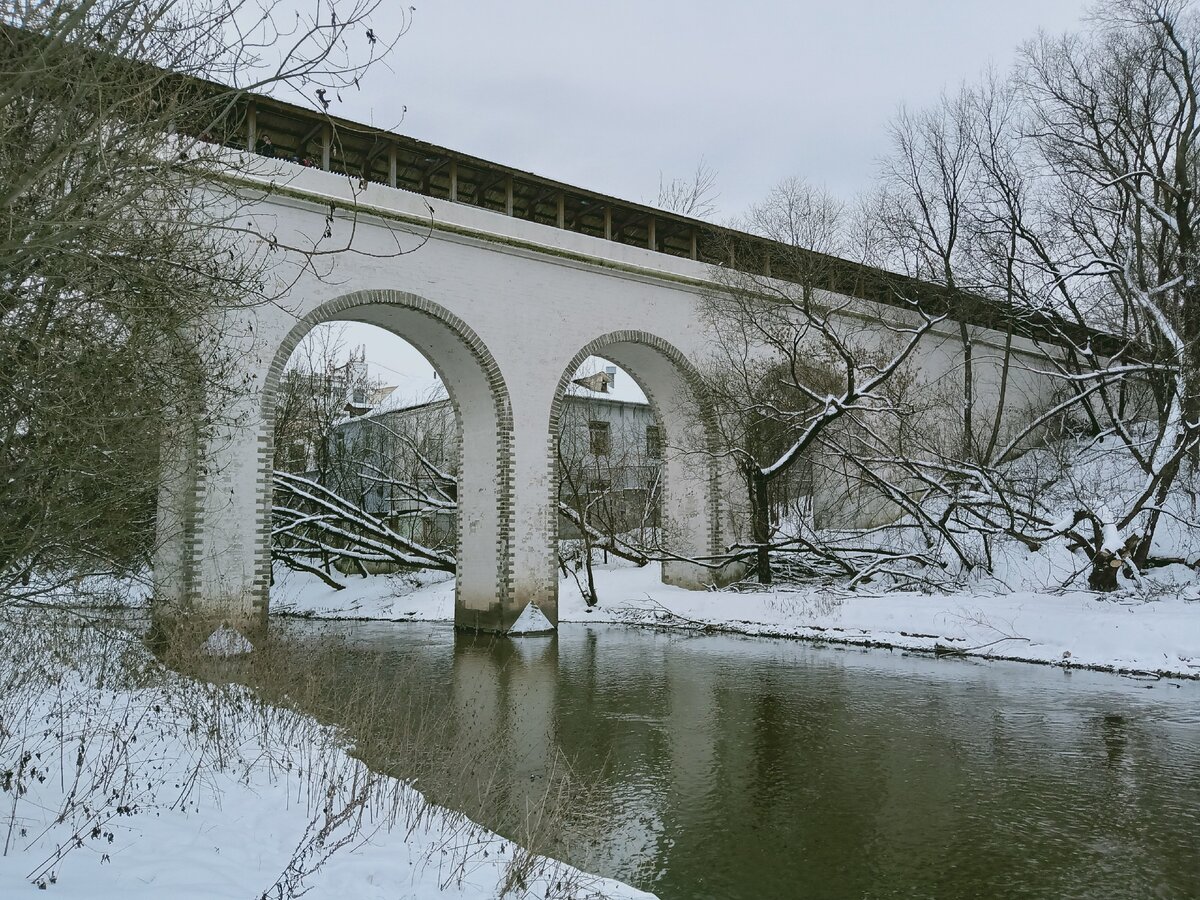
120 778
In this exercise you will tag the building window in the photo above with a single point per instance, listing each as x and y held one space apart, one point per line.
600 440
653 442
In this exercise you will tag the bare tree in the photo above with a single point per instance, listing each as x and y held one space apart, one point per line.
325 382
314 523
1116 116
1067 197
695 195
609 466
389 489
117 255
791 360
387 483
930 183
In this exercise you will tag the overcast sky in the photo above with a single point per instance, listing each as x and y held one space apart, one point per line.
608 95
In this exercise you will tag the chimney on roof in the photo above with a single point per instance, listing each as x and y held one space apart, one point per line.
611 372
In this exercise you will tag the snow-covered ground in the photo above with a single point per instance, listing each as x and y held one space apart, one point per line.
1158 631
122 779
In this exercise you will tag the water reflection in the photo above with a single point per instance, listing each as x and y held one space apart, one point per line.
730 767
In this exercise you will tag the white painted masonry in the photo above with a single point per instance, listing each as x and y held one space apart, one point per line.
505 310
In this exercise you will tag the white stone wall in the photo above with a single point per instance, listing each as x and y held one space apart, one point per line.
506 310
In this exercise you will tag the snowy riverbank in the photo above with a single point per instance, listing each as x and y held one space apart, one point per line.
120 778
1124 633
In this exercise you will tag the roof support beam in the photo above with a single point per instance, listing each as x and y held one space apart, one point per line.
538 199
376 151
453 181
392 166
326 146
578 212
562 210
309 135
482 188
427 174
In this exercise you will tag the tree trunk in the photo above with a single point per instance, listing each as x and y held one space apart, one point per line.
591 599
760 524
300 565
585 536
1104 573
968 392
1191 364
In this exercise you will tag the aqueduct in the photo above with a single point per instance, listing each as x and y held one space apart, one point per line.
513 284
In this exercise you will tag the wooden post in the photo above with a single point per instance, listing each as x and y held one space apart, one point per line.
392 174
454 181
608 223
508 196
651 243
562 210
251 126
695 247
326 146
767 264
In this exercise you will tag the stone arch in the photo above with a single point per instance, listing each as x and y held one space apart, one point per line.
483 412
692 500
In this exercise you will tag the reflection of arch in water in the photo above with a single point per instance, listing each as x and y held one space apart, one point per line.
482 411
691 483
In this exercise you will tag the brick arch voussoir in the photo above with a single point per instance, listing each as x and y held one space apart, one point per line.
695 382
332 311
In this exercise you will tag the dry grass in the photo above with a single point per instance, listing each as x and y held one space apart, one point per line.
396 728
83 704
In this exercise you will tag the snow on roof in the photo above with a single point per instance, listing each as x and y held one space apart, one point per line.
419 392
623 388
410 396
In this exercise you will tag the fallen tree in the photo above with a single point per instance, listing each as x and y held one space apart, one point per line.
313 522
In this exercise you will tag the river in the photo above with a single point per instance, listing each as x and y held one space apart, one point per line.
715 766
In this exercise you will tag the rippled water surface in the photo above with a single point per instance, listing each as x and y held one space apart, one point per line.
728 767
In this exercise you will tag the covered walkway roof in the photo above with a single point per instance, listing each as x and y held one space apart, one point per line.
314 137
